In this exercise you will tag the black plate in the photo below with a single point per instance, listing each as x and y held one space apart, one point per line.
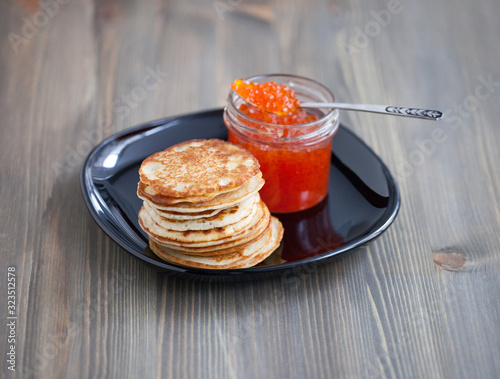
363 198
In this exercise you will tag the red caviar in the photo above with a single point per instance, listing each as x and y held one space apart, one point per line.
295 180
294 162
298 116
268 96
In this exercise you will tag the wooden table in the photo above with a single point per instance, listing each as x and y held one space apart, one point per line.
421 301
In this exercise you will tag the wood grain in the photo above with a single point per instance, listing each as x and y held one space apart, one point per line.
419 302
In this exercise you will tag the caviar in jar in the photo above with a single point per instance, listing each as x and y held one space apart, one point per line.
292 145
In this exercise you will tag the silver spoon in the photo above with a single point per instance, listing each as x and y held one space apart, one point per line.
426 114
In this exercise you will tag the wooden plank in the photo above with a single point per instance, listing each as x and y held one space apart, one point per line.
418 302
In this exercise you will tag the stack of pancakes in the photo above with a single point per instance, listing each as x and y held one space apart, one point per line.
202 206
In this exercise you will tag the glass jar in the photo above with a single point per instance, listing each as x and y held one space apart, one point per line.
294 159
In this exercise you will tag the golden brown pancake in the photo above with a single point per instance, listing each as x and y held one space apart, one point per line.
201 206
201 238
220 201
223 248
271 247
223 218
248 256
198 168
194 236
187 216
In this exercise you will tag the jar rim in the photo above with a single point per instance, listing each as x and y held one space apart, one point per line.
330 113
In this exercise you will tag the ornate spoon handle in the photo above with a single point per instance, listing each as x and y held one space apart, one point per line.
427 114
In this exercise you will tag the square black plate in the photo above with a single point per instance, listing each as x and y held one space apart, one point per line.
362 202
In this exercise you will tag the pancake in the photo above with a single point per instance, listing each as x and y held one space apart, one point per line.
219 261
201 206
223 248
273 244
257 226
211 236
193 236
221 201
198 168
223 218
186 216
245 257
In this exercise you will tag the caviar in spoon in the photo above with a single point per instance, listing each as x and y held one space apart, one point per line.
272 103
281 100
269 96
